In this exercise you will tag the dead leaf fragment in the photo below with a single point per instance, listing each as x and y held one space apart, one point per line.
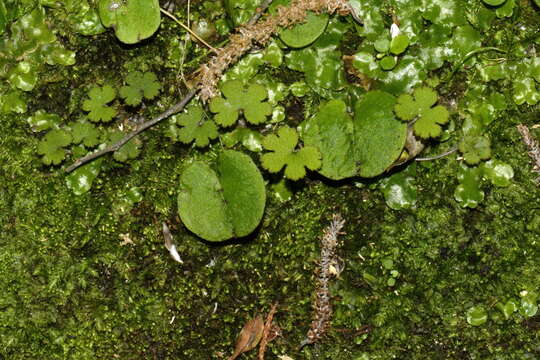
249 337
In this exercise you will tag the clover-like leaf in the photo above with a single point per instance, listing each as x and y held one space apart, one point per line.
52 146
475 148
237 98
284 153
428 119
139 85
129 150
86 133
97 104
194 127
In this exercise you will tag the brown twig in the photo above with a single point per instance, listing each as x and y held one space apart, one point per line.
533 146
266 331
260 10
323 306
179 106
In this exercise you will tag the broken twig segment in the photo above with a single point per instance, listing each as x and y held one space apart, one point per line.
534 148
323 306
266 331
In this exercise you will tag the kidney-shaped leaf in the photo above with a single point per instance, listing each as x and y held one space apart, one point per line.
224 203
132 20
379 136
331 131
304 34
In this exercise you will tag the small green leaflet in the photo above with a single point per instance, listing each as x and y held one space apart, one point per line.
86 133
428 119
52 146
284 153
97 104
474 149
139 85
194 127
237 98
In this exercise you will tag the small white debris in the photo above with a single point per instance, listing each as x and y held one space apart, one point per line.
394 30
169 244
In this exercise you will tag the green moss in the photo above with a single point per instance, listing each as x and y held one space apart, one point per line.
88 276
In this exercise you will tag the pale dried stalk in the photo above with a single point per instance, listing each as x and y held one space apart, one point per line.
533 146
266 331
323 306
259 33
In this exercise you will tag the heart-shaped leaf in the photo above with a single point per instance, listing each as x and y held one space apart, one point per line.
221 202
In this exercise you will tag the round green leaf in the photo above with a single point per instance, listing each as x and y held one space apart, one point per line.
331 131
399 190
399 44
223 203
476 315
388 62
494 2
498 172
304 34
379 136
132 20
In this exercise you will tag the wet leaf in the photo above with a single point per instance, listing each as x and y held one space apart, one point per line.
399 190
498 172
508 308
399 44
42 120
477 315
132 20
81 179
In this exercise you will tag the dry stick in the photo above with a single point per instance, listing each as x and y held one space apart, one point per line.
323 306
188 30
266 331
112 148
446 153
260 10
533 147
